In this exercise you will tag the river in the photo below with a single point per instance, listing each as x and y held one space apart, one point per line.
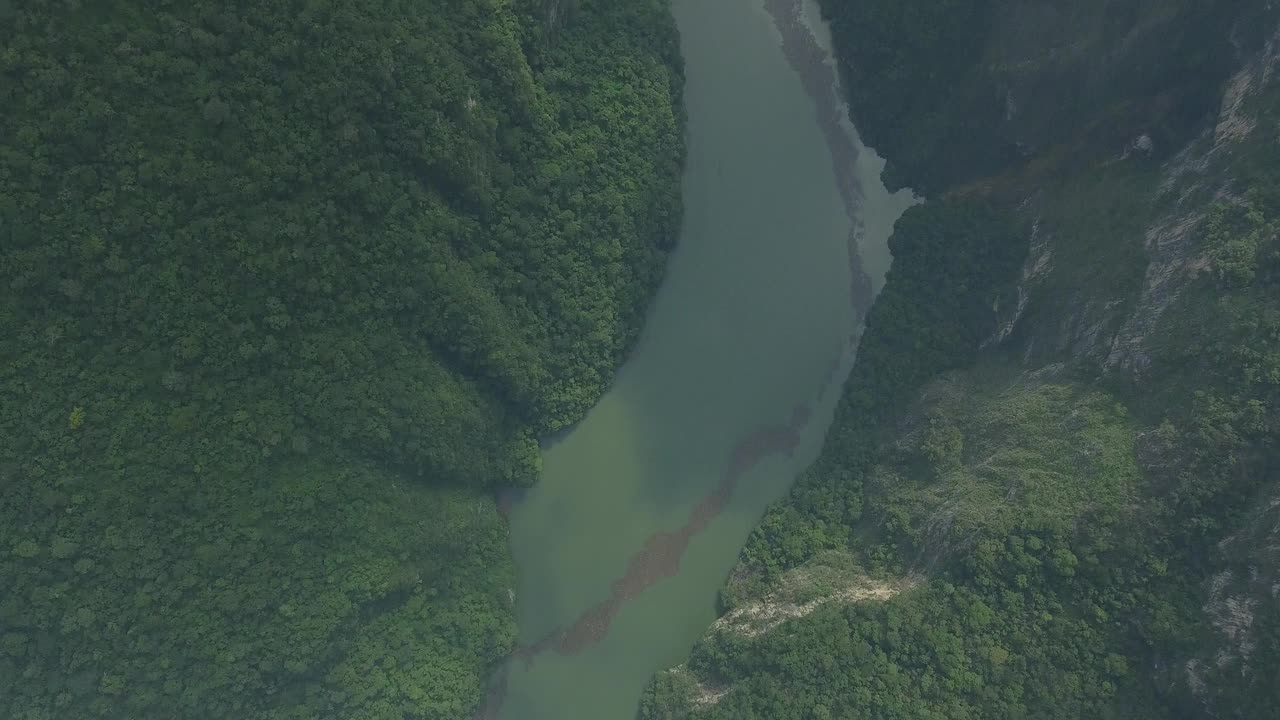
643 508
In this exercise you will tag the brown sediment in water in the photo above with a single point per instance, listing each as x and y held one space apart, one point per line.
822 83
660 557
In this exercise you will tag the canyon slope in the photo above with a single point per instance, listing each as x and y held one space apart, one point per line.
1050 490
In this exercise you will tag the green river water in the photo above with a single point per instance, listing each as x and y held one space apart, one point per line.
754 318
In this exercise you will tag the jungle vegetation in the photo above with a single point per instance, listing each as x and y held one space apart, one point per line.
287 289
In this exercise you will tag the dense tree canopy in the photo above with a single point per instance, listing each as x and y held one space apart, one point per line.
288 286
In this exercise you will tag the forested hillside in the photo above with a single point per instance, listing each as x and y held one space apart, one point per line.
1050 491
287 288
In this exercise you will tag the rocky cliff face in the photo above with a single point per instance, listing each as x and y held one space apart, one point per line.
1099 470
960 90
